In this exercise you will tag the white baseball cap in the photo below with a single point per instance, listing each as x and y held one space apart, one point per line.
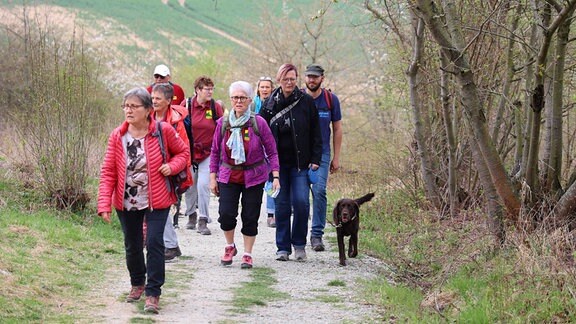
162 69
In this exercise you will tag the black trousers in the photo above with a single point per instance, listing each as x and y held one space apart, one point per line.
251 200
153 266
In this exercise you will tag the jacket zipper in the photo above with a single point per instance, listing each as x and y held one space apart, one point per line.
146 149
295 143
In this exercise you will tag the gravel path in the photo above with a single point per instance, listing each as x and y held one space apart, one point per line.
199 290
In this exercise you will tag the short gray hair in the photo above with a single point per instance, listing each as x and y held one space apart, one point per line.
142 94
244 86
165 88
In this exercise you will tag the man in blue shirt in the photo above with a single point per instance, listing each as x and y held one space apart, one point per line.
329 112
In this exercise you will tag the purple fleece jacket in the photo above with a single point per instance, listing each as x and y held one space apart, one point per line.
259 148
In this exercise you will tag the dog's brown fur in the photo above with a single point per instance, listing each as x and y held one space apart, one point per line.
346 216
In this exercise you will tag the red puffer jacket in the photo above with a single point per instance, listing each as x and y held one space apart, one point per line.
113 172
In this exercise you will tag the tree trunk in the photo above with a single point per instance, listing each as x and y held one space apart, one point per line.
452 44
554 137
420 125
493 203
537 104
524 124
450 137
505 96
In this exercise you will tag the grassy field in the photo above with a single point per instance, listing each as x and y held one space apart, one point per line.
152 19
49 260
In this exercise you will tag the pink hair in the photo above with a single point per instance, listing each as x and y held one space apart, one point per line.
285 68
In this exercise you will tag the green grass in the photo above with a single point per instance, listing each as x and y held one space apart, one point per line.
337 283
256 292
447 271
401 302
50 260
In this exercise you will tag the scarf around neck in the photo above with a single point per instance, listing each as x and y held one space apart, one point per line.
234 142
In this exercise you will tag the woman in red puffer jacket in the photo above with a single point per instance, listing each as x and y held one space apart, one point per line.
133 180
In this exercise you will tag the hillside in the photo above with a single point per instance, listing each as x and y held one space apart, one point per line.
133 36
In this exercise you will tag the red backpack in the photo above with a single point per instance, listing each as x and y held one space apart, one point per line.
327 96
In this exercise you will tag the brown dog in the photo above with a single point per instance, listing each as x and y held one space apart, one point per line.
347 222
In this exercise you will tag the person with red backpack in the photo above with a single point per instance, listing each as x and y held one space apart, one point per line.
203 112
173 115
162 75
133 182
329 113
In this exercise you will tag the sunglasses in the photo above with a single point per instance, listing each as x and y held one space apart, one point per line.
158 76
265 78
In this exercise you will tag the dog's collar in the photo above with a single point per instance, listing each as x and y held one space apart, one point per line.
340 224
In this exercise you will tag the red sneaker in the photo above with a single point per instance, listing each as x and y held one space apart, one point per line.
135 294
229 252
246 262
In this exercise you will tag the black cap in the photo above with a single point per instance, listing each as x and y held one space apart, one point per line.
314 69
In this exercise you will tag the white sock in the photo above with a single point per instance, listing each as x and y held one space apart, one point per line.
248 254
232 245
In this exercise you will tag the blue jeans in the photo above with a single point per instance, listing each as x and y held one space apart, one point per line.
153 266
319 198
294 196
270 207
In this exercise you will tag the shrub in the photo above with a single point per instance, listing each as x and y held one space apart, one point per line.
55 99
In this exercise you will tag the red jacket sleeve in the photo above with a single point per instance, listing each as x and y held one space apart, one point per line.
178 151
108 175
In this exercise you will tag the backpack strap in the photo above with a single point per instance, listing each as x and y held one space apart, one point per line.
188 126
213 109
255 125
328 97
161 140
226 126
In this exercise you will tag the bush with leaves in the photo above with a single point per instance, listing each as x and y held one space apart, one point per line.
55 104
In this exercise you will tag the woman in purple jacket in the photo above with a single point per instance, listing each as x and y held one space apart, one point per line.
240 163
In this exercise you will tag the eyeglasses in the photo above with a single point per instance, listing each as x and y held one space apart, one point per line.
208 89
239 99
265 78
158 76
131 107
286 80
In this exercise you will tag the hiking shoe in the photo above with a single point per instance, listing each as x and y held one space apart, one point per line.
152 304
135 294
246 262
229 253
282 256
300 254
191 225
203 227
171 253
271 221
316 243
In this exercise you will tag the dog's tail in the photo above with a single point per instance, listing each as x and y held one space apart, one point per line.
364 198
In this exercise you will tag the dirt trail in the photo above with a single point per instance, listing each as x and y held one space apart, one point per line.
199 290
